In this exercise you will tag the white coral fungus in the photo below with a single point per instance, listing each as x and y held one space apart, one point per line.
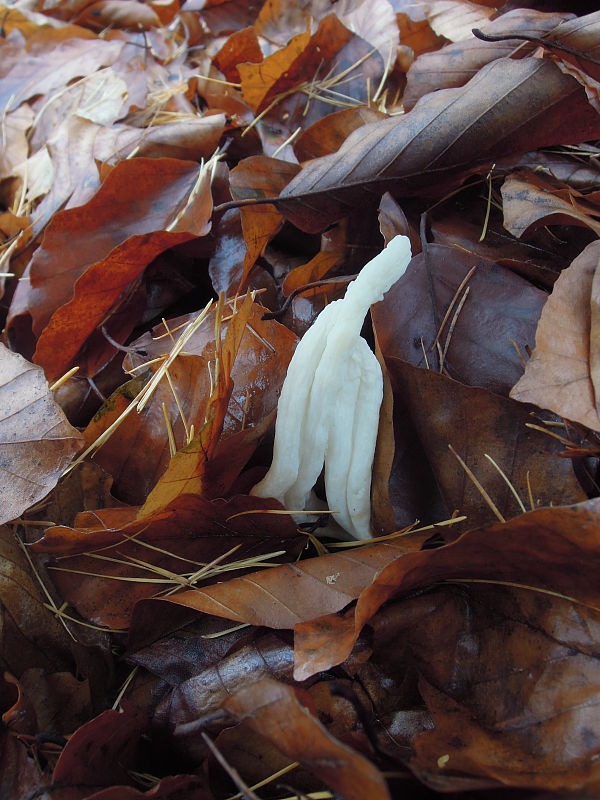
328 412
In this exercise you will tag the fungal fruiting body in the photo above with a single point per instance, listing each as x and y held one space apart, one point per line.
328 412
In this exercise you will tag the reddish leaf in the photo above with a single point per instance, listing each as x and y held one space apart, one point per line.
93 254
329 133
101 752
259 176
273 710
241 47
36 441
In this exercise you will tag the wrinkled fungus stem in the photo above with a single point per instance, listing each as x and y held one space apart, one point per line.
328 412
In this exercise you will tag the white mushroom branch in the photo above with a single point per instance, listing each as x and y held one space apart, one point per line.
328 412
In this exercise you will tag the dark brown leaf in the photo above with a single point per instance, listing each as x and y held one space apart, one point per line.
508 107
554 550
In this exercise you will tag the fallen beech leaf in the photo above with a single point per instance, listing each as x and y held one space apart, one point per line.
273 710
259 176
30 635
52 66
499 310
476 422
531 201
101 752
558 376
320 585
118 14
505 677
456 63
190 534
241 47
186 471
554 550
455 19
513 704
15 148
93 254
208 690
61 702
328 134
37 442
333 251
138 452
505 108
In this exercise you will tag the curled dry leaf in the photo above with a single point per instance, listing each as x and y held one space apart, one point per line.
37 443
273 710
562 374
202 694
531 201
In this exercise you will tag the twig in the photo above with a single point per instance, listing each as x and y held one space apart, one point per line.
245 790
522 37
307 287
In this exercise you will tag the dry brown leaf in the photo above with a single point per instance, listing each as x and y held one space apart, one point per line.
77 278
37 442
456 63
455 19
30 634
259 176
273 710
508 107
558 375
531 201
553 550
512 705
